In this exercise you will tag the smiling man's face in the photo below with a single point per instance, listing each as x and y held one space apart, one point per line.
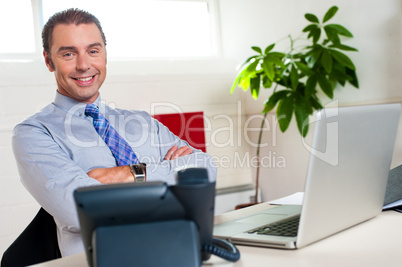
78 55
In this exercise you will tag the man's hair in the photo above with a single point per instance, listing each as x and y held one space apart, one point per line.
67 17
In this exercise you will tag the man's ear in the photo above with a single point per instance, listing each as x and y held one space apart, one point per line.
48 62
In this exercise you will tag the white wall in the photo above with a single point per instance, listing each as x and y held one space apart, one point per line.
205 85
377 30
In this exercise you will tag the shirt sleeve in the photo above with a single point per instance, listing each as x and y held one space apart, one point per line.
166 169
48 173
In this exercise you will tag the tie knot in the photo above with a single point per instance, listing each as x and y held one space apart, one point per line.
91 110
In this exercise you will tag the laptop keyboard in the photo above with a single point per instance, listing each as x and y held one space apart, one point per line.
286 227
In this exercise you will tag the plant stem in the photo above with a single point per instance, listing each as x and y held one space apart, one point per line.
257 177
291 43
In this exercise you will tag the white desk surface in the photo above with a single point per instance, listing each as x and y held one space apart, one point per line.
377 242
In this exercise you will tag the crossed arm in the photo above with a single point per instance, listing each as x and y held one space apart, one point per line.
122 174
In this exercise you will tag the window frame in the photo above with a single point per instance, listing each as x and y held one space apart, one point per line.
216 51
36 6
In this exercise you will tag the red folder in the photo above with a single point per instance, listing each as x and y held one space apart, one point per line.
188 126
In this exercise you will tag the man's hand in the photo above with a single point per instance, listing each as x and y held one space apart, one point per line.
113 175
175 152
122 174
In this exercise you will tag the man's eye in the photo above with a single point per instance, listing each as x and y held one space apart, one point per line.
93 52
67 54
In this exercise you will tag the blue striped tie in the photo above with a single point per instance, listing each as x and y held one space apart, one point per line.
121 150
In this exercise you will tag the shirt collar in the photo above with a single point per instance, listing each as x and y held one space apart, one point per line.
70 105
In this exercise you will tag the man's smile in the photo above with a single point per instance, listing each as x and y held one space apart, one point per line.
84 80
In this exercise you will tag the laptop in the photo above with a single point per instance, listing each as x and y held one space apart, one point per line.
350 160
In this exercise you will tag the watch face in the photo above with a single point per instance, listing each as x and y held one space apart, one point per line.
139 172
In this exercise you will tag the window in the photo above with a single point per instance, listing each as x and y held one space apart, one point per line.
141 29
16 27
147 29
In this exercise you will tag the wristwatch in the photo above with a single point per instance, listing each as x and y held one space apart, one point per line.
139 172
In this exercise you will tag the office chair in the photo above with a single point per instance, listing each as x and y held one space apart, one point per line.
36 244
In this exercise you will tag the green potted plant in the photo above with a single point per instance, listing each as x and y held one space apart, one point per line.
299 74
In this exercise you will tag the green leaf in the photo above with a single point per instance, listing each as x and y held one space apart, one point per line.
343 47
330 13
237 80
342 82
302 119
255 86
257 49
315 103
313 56
277 54
267 83
311 84
284 112
311 34
304 68
353 81
310 60
316 35
304 103
339 77
311 18
333 82
310 28
244 83
332 35
276 58
284 81
248 61
248 73
273 100
343 59
235 83
339 73
326 60
269 48
340 29
326 86
294 77
251 69
268 69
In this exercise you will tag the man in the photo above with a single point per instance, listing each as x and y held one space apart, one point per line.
58 149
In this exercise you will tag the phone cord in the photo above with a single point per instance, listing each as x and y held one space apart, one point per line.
223 249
